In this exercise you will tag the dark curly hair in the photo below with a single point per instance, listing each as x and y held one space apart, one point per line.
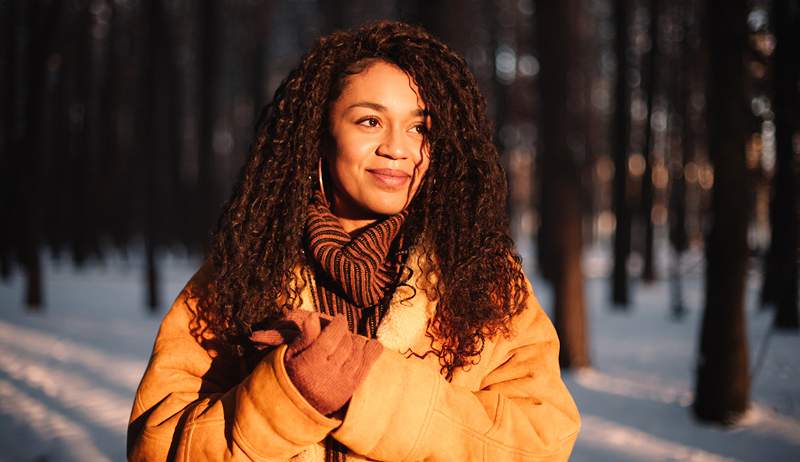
457 224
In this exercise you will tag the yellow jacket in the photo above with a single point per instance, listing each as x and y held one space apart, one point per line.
195 404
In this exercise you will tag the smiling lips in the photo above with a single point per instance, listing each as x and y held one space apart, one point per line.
392 179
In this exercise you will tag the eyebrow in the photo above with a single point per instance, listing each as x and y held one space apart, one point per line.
381 108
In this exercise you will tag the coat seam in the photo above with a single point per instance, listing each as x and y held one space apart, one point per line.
190 435
428 417
243 441
489 440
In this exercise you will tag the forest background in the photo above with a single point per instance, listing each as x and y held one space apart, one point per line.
653 137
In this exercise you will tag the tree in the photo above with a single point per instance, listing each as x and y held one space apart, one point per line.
781 275
648 272
682 89
9 117
39 21
620 137
209 44
722 382
560 209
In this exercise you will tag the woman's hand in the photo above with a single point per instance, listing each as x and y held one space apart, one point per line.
325 361
287 329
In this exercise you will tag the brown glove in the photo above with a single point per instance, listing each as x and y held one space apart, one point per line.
285 330
325 361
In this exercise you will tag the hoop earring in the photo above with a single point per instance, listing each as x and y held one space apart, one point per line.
319 174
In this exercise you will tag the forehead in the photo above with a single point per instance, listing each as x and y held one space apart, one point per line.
382 83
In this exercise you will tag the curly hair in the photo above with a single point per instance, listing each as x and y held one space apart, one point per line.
457 224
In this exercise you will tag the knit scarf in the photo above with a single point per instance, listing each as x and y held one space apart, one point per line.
354 275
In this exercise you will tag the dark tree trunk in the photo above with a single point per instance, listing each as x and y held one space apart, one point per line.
648 272
261 26
152 276
34 299
109 104
678 235
150 120
560 179
40 24
723 383
499 96
209 76
8 129
620 137
79 143
781 275
168 193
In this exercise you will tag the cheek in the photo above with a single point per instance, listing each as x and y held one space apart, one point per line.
421 173
351 149
348 159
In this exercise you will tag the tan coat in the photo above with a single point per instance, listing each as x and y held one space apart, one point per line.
511 406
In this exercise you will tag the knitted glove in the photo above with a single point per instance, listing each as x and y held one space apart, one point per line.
327 363
285 330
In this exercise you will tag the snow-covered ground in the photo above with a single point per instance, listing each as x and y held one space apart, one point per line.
68 373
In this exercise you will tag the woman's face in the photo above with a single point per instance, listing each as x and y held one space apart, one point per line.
378 125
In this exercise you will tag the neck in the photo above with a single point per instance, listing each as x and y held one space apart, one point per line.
352 220
353 226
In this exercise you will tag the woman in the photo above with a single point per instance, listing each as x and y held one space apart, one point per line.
361 298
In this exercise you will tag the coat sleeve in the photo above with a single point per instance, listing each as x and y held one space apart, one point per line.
522 412
189 405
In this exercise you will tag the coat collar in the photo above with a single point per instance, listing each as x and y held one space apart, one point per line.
406 321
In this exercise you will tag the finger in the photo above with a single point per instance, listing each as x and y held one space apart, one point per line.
353 355
363 358
298 317
309 331
339 356
267 337
330 338
311 326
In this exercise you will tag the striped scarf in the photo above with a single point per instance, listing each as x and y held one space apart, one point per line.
354 276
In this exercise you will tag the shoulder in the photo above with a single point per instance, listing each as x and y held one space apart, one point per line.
185 326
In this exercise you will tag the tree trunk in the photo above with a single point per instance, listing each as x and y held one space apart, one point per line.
80 178
9 117
499 100
648 272
261 24
152 278
560 179
678 235
150 119
209 76
40 25
723 383
620 137
782 271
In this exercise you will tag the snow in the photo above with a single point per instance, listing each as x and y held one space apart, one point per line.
68 374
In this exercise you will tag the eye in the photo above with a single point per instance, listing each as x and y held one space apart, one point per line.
371 122
420 129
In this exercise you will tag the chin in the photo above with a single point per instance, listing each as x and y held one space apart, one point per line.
386 207
386 210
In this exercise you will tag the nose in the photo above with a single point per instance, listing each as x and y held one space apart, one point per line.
392 145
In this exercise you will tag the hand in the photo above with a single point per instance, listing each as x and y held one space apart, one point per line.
287 329
327 362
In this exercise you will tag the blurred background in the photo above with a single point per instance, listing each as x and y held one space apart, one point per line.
651 149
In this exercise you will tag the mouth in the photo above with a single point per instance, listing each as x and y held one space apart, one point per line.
389 178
